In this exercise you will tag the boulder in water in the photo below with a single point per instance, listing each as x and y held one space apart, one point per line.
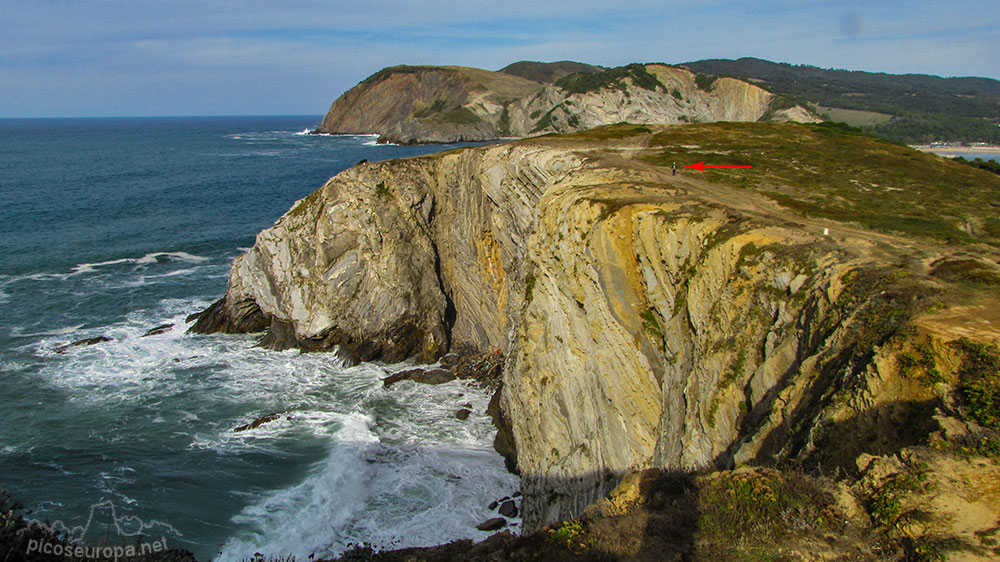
78 343
158 330
258 422
492 524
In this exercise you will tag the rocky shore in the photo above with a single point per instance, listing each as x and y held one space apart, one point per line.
644 320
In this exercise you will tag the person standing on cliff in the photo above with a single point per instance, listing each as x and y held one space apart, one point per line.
673 168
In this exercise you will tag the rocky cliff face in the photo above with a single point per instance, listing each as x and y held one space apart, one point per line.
649 320
447 104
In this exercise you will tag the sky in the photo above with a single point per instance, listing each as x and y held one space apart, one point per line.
81 58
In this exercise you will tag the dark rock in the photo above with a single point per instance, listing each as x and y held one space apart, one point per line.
450 360
504 442
258 422
463 413
492 524
517 494
158 330
241 317
425 376
433 376
396 377
486 368
78 343
508 509
362 161
467 405
493 505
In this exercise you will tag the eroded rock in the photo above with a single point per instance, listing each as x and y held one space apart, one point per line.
267 418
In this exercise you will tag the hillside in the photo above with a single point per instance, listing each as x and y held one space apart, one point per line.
548 72
832 311
421 104
911 108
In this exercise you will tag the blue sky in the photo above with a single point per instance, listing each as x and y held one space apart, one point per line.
236 57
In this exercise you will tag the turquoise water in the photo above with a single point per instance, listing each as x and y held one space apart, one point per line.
110 227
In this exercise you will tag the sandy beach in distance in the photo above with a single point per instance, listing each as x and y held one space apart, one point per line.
950 150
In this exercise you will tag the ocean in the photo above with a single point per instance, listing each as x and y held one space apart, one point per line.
112 227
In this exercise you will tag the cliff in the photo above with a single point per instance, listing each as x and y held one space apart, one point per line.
420 104
683 322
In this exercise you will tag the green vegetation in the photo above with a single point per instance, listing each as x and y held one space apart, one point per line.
305 203
886 504
547 72
568 535
924 128
651 324
400 69
613 78
920 363
677 94
925 108
705 81
438 106
544 122
778 103
966 271
837 172
439 112
458 115
504 123
988 165
761 508
979 381
529 286
608 132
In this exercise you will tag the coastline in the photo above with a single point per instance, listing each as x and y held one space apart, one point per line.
955 150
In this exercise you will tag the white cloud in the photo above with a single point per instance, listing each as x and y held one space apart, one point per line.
187 56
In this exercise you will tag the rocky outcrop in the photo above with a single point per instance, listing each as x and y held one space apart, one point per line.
647 320
426 104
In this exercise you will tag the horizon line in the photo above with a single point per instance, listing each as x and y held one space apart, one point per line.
193 116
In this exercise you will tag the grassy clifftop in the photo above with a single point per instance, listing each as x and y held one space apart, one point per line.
835 172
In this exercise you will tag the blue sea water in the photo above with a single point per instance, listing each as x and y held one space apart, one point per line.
110 227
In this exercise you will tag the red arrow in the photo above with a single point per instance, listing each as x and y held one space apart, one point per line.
700 166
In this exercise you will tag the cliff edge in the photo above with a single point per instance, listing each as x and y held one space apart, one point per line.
680 322
428 104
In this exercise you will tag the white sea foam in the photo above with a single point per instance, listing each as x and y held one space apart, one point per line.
426 477
297 520
401 469
144 260
367 492
183 256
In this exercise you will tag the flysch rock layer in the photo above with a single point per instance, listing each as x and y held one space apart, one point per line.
436 104
644 323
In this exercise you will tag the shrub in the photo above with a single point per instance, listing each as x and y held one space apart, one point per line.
979 381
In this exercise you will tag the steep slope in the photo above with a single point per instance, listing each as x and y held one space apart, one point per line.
548 72
911 108
445 104
411 104
648 319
